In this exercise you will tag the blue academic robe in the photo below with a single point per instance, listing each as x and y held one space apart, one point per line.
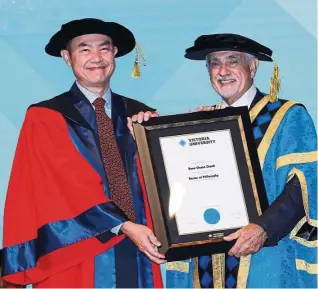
287 147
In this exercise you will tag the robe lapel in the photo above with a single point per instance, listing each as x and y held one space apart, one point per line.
81 117
264 116
258 96
83 121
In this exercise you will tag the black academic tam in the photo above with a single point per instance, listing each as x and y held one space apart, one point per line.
226 42
122 38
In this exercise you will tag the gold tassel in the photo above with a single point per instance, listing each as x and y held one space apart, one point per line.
274 84
140 58
136 69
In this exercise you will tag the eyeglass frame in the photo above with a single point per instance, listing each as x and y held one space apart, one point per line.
229 62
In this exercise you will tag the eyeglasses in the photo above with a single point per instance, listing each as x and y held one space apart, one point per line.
229 62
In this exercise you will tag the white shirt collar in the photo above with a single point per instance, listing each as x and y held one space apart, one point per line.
92 97
245 100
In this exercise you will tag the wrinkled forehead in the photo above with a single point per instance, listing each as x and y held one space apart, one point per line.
91 40
220 55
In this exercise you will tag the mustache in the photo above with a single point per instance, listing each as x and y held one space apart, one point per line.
96 64
224 78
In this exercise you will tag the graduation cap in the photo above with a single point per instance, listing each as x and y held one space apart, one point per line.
206 44
122 38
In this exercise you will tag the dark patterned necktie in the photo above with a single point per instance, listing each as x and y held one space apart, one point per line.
116 176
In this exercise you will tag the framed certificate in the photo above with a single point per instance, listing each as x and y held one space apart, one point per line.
202 177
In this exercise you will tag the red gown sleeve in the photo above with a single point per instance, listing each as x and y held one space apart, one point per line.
51 183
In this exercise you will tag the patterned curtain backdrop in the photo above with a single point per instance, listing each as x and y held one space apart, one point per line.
164 28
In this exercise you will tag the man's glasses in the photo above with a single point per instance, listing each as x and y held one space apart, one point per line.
232 61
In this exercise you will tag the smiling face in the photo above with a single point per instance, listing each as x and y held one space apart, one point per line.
231 73
92 58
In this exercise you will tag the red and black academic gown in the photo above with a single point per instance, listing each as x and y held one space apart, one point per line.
58 212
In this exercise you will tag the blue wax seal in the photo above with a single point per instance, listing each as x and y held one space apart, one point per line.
212 216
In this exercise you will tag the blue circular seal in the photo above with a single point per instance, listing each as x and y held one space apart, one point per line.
212 216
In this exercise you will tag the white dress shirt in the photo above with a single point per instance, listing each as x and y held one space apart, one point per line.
245 100
92 97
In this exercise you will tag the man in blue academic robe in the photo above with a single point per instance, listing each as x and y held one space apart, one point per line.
279 248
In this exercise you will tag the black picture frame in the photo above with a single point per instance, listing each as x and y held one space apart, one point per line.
176 246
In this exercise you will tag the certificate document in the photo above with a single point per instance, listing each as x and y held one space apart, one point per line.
205 187
202 178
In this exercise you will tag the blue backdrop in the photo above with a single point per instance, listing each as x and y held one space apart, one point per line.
164 28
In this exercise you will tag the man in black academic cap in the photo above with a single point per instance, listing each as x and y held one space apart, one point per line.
286 141
75 213
279 248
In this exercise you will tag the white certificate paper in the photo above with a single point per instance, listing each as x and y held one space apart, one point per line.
203 177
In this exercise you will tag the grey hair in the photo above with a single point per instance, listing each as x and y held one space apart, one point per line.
249 57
